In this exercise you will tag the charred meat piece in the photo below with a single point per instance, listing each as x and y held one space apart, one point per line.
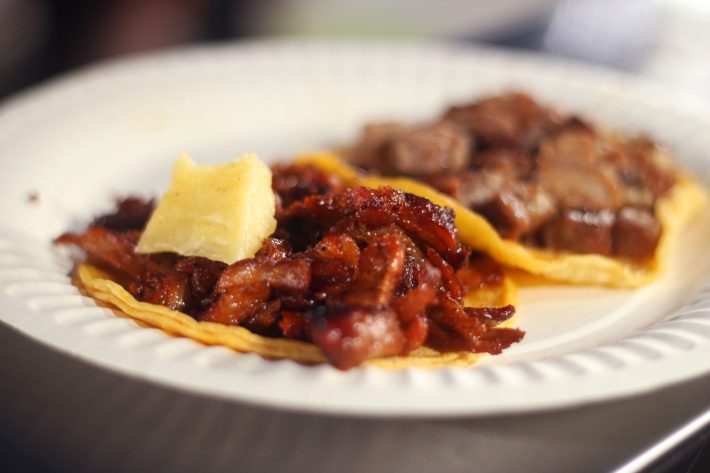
656 169
247 291
580 231
518 210
571 145
132 213
415 264
571 169
449 281
334 264
507 121
480 187
425 222
482 271
515 208
411 306
577 187
349 335
645 169
148 278
441 147
453 327
296 181
519 164
274 249
109 248
636 233
203 275
369 151
449 184
371 318
362 324
379 271
293 325
431 225
416 151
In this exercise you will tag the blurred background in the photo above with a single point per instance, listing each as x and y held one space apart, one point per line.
664 39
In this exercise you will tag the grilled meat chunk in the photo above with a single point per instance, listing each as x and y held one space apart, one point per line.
507 121
636 233
581 231
441 147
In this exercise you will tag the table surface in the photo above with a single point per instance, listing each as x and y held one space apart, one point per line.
61 414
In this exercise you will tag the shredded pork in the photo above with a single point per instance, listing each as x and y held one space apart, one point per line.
361 273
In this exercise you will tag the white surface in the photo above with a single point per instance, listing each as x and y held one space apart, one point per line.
117 129
680 49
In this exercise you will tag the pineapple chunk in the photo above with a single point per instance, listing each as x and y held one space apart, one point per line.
221 212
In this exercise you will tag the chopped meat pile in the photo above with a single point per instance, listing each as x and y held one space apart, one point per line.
539 177
361 273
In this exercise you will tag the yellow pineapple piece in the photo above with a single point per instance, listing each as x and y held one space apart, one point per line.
221 212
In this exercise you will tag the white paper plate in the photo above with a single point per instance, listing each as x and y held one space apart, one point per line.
116 129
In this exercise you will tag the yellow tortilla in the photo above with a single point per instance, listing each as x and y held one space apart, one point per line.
99 285
685 199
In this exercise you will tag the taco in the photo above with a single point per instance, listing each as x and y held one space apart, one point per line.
348 276
534 189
